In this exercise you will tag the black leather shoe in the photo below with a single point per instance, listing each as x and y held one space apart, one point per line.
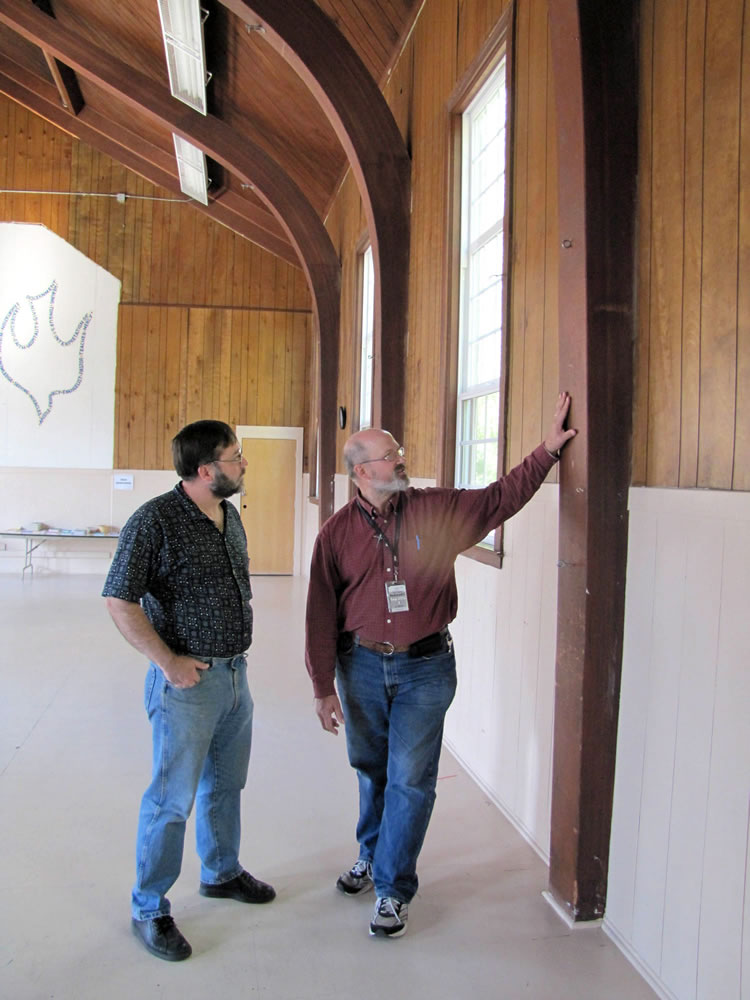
162 938
244 888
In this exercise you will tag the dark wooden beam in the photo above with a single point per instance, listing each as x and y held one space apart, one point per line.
240 156
108 137
312 44
67 85
594 52
63 76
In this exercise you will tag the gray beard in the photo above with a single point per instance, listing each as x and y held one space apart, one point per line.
397 485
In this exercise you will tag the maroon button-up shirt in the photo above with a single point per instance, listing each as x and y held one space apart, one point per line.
351 566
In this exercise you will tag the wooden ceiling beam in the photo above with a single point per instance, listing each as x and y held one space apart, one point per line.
26 89
310 42
240 156
63 76
67 84
256 214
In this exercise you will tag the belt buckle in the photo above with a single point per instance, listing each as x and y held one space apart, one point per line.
388 652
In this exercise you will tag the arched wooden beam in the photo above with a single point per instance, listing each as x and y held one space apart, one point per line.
594 53
310 42
243 158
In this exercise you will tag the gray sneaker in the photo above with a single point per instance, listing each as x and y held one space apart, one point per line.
390 916
358 879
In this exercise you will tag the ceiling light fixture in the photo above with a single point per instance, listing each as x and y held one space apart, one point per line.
191 165
182 29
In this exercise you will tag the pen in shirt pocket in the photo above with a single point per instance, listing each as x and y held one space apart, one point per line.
418 543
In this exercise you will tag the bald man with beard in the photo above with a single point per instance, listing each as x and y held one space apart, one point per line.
382 595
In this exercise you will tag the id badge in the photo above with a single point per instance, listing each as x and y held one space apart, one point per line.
395 595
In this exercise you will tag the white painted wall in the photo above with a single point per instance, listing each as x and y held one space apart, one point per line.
58 337
679 878
310 518
71 498
500 724
678 901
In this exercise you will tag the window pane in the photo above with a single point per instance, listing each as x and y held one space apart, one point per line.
479 418
366 359
482 284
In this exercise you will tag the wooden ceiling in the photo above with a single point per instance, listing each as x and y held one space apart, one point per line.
98 70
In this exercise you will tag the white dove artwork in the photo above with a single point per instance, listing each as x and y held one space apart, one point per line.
58 338
65 358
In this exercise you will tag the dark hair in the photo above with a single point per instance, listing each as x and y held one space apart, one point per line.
199 444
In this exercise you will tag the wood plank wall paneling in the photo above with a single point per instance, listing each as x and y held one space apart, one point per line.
181 364
741 479
692 391
476 21
447 37
210 324
692 404
434 42
719 318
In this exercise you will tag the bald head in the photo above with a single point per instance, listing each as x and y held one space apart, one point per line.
364 446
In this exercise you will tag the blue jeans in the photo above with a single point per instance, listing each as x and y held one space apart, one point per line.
394 707
201 738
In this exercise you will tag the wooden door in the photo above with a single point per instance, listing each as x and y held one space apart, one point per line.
267 506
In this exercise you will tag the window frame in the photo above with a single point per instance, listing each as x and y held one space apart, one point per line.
498 44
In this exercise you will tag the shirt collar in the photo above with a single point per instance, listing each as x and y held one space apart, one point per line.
190 505
373 511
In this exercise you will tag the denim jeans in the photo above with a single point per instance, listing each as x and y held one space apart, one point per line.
201 751
394 708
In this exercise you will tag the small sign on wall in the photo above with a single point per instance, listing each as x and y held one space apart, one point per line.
123 480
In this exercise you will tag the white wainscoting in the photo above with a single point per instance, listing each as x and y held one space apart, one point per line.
70 498
679 879
310 517
500 724
678 901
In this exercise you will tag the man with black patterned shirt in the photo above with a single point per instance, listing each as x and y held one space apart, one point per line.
179 592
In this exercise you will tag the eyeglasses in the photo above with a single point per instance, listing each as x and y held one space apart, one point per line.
390 456
235 458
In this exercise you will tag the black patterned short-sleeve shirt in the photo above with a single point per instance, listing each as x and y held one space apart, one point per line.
192 581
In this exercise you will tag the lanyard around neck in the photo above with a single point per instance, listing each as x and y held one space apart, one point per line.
381 536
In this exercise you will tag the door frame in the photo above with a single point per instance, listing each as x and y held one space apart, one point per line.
288 434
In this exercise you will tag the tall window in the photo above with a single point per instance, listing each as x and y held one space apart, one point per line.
482 280
367 308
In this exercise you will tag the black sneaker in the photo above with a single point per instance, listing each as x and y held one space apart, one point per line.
162 938
358 879
244 888
390 916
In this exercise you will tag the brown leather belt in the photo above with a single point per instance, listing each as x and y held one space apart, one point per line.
422 647
380 647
